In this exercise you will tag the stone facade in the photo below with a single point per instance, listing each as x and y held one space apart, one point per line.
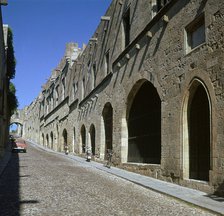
3 85
149 87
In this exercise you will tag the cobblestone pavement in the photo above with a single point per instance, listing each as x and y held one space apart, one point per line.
48 184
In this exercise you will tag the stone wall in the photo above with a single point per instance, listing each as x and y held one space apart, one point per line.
176 54
3 86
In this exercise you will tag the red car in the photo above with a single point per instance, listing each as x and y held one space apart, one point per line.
19 145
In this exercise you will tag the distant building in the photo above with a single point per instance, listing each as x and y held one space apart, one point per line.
149 87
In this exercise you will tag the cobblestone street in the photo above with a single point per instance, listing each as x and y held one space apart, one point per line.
45 183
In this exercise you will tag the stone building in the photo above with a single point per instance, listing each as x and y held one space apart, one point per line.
148 86
3 85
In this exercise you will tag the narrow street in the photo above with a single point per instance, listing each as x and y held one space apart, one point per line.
48 184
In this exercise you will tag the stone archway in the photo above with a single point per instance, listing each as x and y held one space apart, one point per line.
197 132
17 119
16 128
47 141
83 138
65 139
52 140
92 132
144 124
108 126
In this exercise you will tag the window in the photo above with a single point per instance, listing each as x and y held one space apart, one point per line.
56 95
126 28
161 3
83 88
94 68
63 88
93 75
107 61
195 33
75 88
88 65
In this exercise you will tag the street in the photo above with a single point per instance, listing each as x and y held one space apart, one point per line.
45 183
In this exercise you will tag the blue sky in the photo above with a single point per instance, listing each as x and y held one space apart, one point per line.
41 29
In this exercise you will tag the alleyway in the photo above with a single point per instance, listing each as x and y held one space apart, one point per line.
48 184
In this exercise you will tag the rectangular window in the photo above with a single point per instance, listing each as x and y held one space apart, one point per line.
126 28
56 95
195 33
75 88
107 61
83 88
63 88
93 76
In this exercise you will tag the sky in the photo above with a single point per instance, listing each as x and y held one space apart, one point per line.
41 29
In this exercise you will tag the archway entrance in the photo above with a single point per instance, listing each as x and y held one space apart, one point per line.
43 139
92 138
199 133
144 124
52 140
83 138
65 139
47 139
108 126
16 129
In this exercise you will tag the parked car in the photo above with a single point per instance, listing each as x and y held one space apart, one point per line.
19 145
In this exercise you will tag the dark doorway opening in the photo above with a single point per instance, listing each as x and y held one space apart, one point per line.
92 137
199 135
65 135
52 140
108 126
144 126
83 138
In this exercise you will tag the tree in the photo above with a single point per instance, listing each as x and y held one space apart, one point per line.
12 99
11 61
11 70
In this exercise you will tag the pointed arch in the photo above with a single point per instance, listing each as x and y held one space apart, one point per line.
43 139
92 132
107 115
197 132
52 140
144 124
83 138
47 140
74 140
65 139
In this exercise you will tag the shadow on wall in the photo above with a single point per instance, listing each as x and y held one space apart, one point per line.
10 203
219 193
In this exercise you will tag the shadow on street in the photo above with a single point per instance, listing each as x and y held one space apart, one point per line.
10 203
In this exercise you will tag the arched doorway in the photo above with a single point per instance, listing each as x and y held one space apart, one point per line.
92 132
65 139
16 129
83 138
144 124
52 140
74 140
108 126
43 139
198 115
47 140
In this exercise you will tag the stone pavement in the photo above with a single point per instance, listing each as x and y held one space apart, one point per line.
193 197
5 159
